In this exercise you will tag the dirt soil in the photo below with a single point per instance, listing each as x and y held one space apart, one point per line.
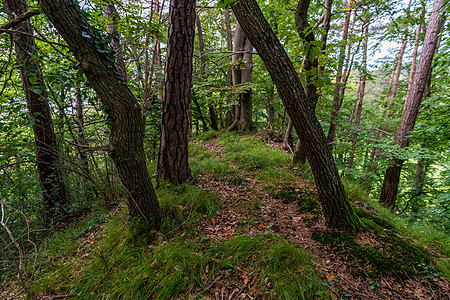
284 219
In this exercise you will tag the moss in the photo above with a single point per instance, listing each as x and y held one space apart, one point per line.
308 205
377 219
286 196
395 256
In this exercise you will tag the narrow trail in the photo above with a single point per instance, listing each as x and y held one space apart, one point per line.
251 209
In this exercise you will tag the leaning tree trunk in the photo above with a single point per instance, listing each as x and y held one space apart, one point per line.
173 164
127 136
412 103
47 160
337 209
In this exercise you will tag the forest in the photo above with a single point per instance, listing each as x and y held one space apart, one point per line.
224 149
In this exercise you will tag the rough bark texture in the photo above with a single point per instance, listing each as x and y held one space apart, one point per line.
47 160
173 162
126 139
111 15
336 207
412 103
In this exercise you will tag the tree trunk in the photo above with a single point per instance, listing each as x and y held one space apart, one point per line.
236 60
287 140
245 121
395 79
47 160
337 209
201 45
412 103
81 138
229 114
325 29
361 91
270 110
422 165
112 16
173 164
299 153
126 139
338 91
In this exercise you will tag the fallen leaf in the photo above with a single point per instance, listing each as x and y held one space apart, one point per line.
246 280
261 226
330 277
418 293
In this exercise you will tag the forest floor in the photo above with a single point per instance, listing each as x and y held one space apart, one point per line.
267 204
283 217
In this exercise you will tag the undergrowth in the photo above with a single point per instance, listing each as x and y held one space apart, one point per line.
181 267
113 257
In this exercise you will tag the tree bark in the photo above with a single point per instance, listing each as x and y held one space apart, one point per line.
412 103
173 164
245 121
47 160
299 153
112 16
337 209
126 139
229 114
287 140
236 60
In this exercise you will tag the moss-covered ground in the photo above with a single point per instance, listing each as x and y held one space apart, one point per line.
248 227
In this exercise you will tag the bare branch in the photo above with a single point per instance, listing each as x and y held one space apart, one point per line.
20 18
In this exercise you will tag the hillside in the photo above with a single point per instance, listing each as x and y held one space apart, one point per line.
248 227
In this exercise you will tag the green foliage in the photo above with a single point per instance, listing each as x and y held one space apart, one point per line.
202 162
177 267
253 154
186 199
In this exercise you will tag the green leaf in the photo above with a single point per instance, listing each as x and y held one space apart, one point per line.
226 3
32 79
38 90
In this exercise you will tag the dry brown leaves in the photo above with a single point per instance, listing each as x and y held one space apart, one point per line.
272 215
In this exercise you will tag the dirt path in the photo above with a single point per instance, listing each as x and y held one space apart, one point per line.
250 209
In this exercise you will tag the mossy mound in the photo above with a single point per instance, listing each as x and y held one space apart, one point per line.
377 221
391 255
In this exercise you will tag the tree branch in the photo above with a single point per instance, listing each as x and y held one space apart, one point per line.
20 18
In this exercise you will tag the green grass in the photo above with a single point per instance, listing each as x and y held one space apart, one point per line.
177 267
252 153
